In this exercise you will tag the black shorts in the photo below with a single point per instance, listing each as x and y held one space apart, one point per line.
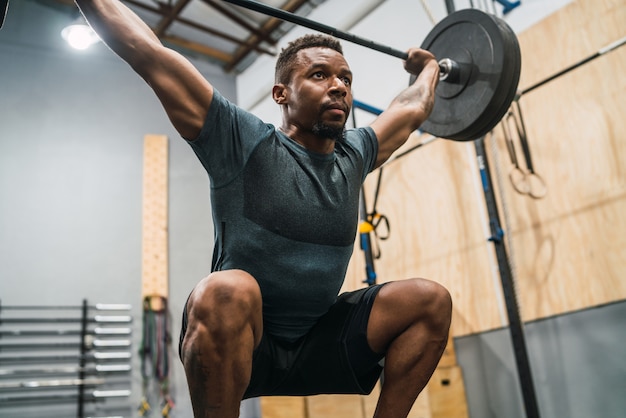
332 358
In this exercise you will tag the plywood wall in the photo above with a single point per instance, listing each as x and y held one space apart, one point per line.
570 247
568 250
438 230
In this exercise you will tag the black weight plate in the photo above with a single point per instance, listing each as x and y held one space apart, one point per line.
507 88
508 85
486 49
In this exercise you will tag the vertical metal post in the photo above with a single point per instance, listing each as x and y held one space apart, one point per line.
366 242
364 230
508 287
81 360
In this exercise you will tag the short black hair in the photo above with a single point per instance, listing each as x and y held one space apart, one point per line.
288 56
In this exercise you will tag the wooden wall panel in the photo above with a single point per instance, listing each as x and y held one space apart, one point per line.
569 248
283 407
355 406
447 393
335 406
420 409
439 230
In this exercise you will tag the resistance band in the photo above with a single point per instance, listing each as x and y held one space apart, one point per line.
155 354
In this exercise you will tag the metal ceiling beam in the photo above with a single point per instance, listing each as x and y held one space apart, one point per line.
196 47
238 20
170 16
270 26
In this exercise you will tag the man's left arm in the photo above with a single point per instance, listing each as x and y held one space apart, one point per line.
410 108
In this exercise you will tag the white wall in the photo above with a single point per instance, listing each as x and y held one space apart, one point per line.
71 150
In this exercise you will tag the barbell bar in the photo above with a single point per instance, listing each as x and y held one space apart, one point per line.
96 369
97 319
479 67
47 346
47 384
97 306
320 27
100 331
445 65
91 396
95 356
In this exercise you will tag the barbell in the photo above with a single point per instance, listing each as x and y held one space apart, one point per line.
479 68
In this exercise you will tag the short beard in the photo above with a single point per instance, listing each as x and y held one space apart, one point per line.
331 132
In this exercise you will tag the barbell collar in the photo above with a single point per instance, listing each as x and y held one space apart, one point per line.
449 70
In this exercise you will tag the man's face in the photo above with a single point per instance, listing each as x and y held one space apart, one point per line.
319 94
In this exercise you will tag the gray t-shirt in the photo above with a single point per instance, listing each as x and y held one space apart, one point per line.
284 214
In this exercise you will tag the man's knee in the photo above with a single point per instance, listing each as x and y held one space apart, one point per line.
436 294
428 300
225 302
436 302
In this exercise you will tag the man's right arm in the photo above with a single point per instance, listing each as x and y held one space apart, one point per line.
184 93
410 108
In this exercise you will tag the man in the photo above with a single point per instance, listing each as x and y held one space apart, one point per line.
267 320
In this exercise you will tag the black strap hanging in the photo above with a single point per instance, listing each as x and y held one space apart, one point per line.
155 354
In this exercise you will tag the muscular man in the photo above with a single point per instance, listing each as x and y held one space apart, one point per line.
268 319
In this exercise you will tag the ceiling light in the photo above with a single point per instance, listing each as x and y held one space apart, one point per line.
79 35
